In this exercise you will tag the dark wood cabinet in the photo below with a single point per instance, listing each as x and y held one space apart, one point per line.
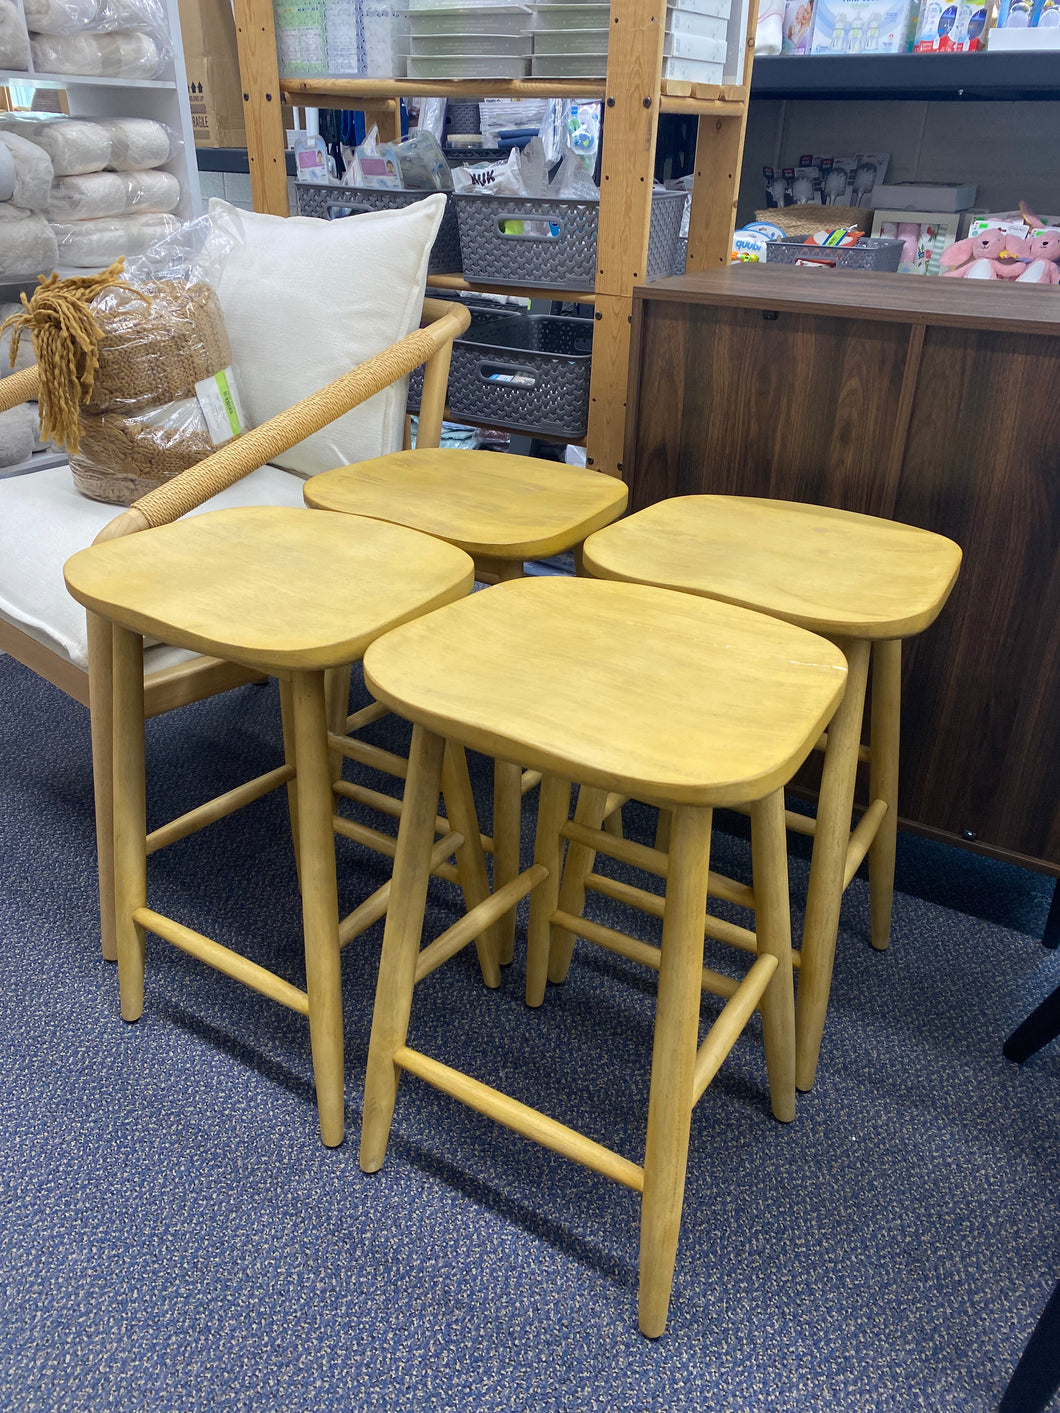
932 401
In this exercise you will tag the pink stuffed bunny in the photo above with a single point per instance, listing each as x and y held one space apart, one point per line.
1043 255
977 257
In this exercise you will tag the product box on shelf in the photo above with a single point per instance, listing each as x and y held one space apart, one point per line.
919 196
215 93
797 33
861 27
924 236
951 27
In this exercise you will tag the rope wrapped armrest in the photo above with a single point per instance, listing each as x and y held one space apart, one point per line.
261 444
19 388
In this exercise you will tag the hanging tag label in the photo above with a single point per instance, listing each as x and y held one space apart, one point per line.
220 406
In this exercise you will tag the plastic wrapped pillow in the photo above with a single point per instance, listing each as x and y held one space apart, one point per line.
125 54
18 434
101 16
112 194
14 42
122 458
27 244
32 184
91 245
77 146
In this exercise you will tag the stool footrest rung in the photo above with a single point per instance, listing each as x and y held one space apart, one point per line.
474 923
625 850
634 950
864 752
223 959
375 711
373 756
529 780
391 805
727 1029
730 933
861 839
218 808
376 904
532 1124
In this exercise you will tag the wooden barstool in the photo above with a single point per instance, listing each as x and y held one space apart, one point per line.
292 594
866 584
684 703
500 509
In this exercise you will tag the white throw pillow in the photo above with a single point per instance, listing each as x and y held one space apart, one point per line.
307 300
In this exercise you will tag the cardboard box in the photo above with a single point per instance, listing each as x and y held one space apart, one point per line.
920 196
860 26
926 235
208 30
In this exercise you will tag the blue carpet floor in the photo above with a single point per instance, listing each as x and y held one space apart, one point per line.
174 1237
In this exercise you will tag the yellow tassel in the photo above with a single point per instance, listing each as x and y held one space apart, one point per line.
66 336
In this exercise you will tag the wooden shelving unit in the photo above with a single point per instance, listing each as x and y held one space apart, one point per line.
634 94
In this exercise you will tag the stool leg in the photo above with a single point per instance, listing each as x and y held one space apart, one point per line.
769 862
552 812
470 860
507 828
130 829
828 865
576 869
337 695
885 732
287 721
100 696
673 1063
320 912
401 943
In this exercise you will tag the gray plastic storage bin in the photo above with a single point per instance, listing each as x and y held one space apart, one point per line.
566 257
333 202
870 253
480 314
530 374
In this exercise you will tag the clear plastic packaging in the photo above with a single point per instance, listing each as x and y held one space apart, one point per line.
482 19
30 174
162 393
570 66
92 245
113 194
571 41
14 42
27 244
130 54
510 45
76 146
97 16
467 66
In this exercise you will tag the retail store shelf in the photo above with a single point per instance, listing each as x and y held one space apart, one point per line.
962 77
39 461
35 80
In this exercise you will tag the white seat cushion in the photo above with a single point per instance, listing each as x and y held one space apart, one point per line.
307 300
44 520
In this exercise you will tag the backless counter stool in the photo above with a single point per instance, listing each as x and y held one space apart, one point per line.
500 509
678 701
866 584
292 594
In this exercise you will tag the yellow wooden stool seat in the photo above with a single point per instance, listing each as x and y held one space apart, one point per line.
501 509
684 703
864 582
293 594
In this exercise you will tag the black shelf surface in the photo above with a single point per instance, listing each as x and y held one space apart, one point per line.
230 159
963 77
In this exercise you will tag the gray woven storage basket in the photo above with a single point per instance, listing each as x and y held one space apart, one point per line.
332 201
870 253
564 260
480 315
530 374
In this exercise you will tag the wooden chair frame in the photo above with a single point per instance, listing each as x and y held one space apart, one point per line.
200 677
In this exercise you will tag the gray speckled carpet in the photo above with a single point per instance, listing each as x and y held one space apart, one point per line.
174 1237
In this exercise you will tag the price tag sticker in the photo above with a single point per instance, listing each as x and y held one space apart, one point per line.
220 406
